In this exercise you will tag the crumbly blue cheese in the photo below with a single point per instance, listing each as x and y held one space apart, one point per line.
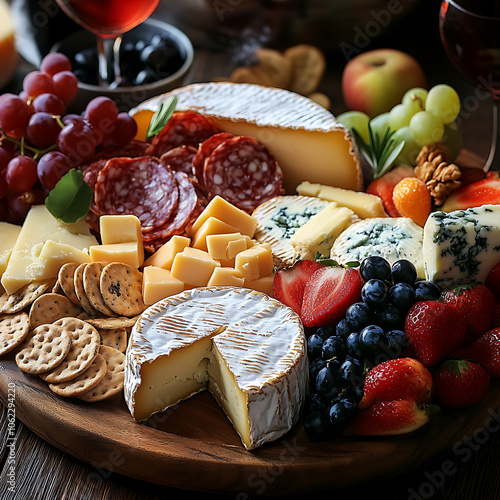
461 246
280 217
392 238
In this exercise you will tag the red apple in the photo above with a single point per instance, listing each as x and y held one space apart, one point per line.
375 81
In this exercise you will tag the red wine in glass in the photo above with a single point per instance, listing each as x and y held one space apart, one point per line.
108 20
470 33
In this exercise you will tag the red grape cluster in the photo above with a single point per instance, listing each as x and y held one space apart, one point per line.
40 143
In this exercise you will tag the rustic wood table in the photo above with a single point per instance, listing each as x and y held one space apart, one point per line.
32 469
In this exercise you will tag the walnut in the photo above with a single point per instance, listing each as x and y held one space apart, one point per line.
440 176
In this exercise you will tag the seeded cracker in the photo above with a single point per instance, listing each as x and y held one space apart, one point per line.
13 330
112 383
25 296
109 323
80 291
50 307
91 285
116 337
66 280
121 289
84 348
84 382
44 349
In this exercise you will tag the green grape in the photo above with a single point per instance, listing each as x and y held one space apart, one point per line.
426 128
400 116
380 124
357 120
408 155
452 139
443 102
415 98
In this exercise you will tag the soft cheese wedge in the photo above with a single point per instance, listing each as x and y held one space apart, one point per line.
304 137
246 348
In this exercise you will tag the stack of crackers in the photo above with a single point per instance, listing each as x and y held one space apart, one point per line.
73 333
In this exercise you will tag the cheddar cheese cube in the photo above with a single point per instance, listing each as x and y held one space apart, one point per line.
255 262
164 256
119 229
211 226
264 284
193 266
158 283
131 253
224 247
226 276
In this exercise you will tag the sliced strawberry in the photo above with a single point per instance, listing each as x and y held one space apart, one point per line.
402 378
388 418
328 293
460 383
434 330
289 283
384 186
482 192
493 281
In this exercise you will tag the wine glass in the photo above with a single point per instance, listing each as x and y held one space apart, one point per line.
108 20
470 33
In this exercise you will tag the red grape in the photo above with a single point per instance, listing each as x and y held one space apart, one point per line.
52 166
101 112
49 103
5 156
65 85
14 115
4 189
42 130
77 142
37 82
18 204
124 130
54 63
21 173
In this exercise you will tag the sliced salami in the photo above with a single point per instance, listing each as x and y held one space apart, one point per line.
139 186
184 128
204 151
90 174
181 216
180 159
243 171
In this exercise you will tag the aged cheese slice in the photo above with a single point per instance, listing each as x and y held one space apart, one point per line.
303 136
246 348
8 237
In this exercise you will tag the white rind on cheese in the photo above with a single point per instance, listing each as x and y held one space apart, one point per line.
246 348
304 137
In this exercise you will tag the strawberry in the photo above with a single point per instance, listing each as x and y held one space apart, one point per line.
434 330
384 186
485 351
476 303
388 418
459 383
493 281
402 378
328 293
289 283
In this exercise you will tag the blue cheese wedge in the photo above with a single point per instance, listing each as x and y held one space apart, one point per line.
461 246
392 238
280 217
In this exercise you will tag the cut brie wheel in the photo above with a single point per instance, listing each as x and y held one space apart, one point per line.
246 348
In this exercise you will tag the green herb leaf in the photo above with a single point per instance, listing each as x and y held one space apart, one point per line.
70 199
161 117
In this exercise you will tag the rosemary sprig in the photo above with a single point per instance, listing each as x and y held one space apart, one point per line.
161 117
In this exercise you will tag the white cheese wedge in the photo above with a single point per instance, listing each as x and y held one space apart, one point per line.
304 137
392 238
280 217
461 246
246 348
39 227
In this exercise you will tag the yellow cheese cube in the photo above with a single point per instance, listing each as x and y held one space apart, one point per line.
164 256
224 247
211 226
131 253
225 276
255 262
119 229
226 212
264 284
193 266
158 283
8 237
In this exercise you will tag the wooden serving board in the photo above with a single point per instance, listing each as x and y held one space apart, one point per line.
193 446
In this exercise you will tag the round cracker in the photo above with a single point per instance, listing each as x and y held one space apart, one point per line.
80 291
112 383
85 341
44 349
121 289
66 280
50 307
84 382
116 337
109 323
91 285
25 296
14 329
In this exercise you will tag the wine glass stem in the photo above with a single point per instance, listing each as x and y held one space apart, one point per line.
108 50
493 160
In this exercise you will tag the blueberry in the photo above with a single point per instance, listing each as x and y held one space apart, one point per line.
317 425
359 315
403 271
343 329
372 341
325 331
426 290
351 370
333 347
329 383
375 267
402 295
339 416
396 342
390 316
314 346
352 344
374 293
315 366
314 402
